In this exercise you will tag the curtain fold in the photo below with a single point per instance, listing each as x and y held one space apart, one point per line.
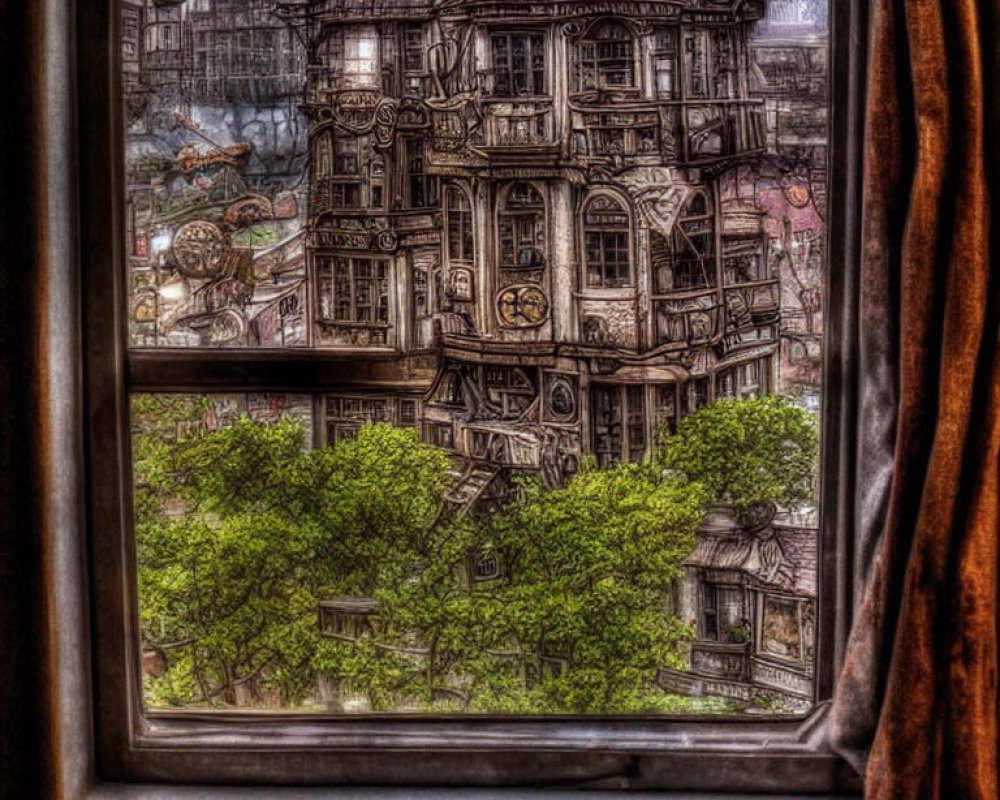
916 706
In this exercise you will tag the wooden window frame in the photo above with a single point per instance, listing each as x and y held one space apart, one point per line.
459 217
618 281
417 179
374 304
599 64
510 215
534 87
132 746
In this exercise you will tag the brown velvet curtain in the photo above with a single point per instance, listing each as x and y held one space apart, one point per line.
916 706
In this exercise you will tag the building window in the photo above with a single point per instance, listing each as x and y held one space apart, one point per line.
787 629
751 379
689 262
743 261
619 423
421 186
345 159
606 243
666 409
460 243
518 64
353 290
360 61
723 617
413 48
521 224
696 61
346 414
408 413
697 394
665 63
606 58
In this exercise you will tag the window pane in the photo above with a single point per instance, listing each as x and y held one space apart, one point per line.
497 511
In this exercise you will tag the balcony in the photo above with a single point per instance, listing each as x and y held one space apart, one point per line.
721 659
361 10
761 299
521 131
718 131
519 124
687 318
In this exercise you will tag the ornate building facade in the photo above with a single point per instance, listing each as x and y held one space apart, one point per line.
554 202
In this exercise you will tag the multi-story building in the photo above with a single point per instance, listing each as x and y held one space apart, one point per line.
552 201
162 59
241 52
789 59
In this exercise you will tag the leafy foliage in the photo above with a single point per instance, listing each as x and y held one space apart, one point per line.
748 452
589 565
243 531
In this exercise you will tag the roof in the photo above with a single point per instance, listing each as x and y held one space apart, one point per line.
777 557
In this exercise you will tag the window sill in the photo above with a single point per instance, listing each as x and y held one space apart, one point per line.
115 791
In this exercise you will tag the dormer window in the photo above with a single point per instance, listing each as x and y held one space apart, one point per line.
606 58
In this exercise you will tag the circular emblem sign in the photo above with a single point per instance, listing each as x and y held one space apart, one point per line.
199 248
522 306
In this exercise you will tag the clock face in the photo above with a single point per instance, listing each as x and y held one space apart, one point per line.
199 248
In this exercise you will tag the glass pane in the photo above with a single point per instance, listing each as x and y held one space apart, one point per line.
577 472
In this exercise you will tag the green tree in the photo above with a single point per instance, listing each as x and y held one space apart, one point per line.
589 565
242 531
747 452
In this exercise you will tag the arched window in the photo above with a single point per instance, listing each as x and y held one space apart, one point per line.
688 261
606 58
521 228
460 242
606 243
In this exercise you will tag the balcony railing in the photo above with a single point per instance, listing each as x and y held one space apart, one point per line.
503 446
762 299
519 124
244 88
163 59
688 318
720 659
796 680
722 129
692 131
366 10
